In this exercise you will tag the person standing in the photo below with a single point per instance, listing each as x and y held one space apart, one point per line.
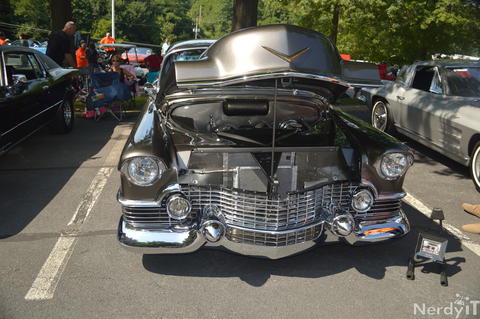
58 48
153 63
108 39
3 40
165 46
92 57
23 40
81 54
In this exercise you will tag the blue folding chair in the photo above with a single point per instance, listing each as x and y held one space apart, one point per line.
106 89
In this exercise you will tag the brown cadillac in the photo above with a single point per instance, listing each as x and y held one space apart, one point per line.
240 149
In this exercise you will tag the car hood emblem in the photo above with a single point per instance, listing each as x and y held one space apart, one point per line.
284 57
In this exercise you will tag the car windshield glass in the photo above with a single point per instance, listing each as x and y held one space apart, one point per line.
146 51
188 55
464 81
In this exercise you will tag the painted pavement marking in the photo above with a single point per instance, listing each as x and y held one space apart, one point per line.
464 239
43 288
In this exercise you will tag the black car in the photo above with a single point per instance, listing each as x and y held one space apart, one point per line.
241 149
34 91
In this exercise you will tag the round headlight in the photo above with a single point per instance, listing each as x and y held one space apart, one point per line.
362 200
143 170
178 207
394 165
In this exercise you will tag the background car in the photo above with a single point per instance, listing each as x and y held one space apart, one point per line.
137 54
181 51
34 91
438 105
32 44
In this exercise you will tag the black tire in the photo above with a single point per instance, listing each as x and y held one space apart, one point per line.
381 118
475 166
64 118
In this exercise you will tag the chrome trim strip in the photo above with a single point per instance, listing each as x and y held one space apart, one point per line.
136 203
278 232
13 128
248 78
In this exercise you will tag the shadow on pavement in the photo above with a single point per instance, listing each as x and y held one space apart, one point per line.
371 261
33 172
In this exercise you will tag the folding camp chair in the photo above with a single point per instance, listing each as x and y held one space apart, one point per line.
107 92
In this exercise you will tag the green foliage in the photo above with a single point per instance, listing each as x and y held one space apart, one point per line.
215 19
396 31
31 15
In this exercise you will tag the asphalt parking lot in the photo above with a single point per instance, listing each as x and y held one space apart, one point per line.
61 259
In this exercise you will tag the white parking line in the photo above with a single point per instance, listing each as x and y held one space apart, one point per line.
43 288
47 279
454 231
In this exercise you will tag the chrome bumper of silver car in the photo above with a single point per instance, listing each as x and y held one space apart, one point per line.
176 240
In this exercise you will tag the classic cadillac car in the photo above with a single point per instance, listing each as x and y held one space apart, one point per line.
437 103
34 91
241 150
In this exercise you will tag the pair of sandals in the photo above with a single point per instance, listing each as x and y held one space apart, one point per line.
474 210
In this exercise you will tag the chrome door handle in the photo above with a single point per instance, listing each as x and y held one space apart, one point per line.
401 98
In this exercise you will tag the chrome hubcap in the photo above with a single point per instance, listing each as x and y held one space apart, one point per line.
379 118
67 113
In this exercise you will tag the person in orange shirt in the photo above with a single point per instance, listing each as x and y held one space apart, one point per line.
81 54
108 39
3 41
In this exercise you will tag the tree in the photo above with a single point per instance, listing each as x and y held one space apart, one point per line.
244 14
33 18
60 13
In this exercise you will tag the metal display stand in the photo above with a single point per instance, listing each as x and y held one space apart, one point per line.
430 248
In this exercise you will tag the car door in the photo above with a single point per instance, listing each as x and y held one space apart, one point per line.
416 100
24 97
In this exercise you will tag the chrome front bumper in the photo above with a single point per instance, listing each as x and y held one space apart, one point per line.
186 240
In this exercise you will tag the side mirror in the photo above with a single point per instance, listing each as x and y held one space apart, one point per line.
19 78
150 89
436 89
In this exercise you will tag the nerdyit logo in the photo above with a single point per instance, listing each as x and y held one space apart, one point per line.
462 306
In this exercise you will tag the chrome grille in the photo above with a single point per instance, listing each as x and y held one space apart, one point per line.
273 240
152 216
256 210
381 209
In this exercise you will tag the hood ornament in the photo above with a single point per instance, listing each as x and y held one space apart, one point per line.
287 58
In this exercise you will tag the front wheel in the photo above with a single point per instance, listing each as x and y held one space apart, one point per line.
381 119
63 122
475 166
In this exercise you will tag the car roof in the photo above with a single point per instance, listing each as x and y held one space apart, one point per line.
117 45
191 44
448 64
7 48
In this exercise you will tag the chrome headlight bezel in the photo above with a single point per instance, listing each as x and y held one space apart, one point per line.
185 213
394 165
130 168
363 192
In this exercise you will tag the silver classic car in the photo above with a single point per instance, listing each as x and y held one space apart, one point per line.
240 149
437 104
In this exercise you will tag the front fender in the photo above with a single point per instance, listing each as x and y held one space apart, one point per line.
372 144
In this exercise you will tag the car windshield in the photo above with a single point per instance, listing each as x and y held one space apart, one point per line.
464 81
146 51
188 55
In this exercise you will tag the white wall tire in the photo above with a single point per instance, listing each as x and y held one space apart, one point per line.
64 117
381 118
475 166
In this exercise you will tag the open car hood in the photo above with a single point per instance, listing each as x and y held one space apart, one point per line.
274 51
